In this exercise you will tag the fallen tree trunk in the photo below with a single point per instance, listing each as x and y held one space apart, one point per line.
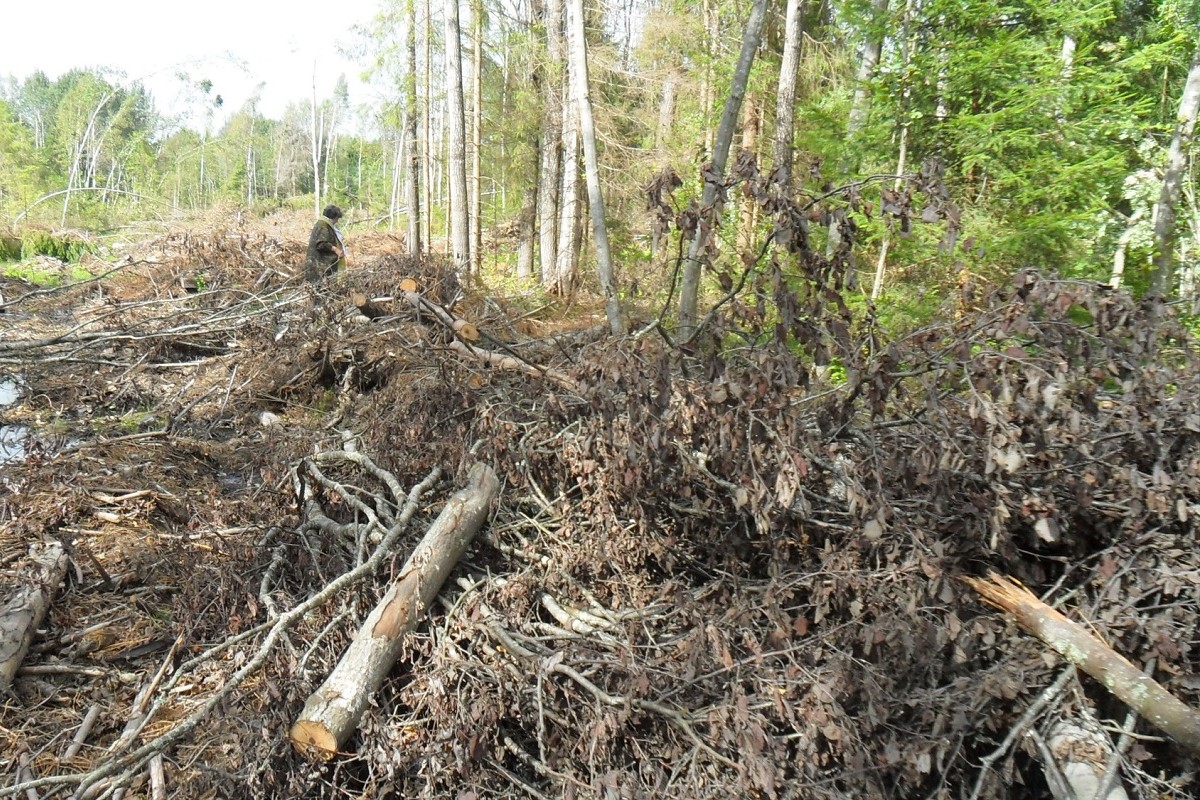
1134 688
376 307
332 713
24 610
502 361
463 329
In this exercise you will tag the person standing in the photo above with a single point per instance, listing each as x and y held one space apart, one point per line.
326 248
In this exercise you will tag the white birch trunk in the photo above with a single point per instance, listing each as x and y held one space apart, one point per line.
476 215
568 229
1162 279
412 194
456 156
860 106
583 105
551 164
785 102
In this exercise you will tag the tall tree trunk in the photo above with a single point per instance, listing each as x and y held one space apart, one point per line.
568 225
908 44
1067 57
551 164
529 198
666 111
712 17
748 211
860 106
397 176
689 289
528 229
456 156
412 192
1162 279
587 130
476 136
426 121
785 102
316 139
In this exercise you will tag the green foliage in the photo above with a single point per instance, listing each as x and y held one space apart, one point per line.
1052 164
10 248
66 248
41 275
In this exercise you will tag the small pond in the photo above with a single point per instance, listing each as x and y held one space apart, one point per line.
12 437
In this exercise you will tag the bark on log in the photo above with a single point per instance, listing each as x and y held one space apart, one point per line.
502 361
465 330
24 610
1137 690
376 307
371 308
1075 761
332 713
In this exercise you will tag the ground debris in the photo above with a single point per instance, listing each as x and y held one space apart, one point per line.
715 573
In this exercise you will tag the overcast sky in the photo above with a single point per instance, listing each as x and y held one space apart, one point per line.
237 44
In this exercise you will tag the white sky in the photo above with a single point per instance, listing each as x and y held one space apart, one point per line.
237 44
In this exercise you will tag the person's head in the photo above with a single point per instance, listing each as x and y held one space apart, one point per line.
333 212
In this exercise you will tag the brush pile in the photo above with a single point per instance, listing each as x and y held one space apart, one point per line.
712 571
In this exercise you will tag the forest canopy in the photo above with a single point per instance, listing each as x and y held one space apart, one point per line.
1054 122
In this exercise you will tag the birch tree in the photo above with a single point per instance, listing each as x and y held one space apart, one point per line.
1177 155
551 144
568 226
476 215
860 106
316 142
587 131
427 123
412 194
785 102
689 289
457 153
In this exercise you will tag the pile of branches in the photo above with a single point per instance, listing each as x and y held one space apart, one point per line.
713 570
721 582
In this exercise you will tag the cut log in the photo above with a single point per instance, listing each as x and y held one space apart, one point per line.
24 610
1075 643
1075 760
463 329
371 307
503 361
332 713
409 285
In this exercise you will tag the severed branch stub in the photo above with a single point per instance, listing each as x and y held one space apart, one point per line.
22 611
1133 687
333 711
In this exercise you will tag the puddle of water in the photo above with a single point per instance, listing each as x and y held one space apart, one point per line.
10 390
13 438
12 443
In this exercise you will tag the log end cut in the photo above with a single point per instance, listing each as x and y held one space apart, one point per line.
314 740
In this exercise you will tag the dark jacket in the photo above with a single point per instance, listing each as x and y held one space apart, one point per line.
322 259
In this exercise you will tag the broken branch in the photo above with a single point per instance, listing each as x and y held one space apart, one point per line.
1137 690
